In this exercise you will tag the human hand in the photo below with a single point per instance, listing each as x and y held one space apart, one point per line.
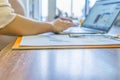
61 24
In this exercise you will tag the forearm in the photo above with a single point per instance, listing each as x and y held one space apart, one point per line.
24 26
17 6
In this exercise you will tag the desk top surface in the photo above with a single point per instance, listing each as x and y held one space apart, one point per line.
60 64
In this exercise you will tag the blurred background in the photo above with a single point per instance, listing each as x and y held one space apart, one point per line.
47 10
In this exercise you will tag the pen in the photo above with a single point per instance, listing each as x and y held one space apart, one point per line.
82 35
75 35
113 37
94 35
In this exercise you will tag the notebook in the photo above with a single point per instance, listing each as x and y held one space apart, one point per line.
100 18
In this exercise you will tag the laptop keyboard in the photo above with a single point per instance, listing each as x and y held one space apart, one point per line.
78 29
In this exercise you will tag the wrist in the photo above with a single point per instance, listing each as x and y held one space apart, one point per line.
52 27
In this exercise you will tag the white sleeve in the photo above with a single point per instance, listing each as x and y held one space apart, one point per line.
6 13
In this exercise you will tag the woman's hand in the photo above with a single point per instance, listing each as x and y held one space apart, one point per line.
61 24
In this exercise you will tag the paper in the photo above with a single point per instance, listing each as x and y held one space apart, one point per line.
66 40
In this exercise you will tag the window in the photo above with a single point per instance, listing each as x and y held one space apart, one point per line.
76 9
37 9
44 10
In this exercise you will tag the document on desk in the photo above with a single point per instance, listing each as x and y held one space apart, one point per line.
65 41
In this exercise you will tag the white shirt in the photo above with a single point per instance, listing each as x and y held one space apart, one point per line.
6 13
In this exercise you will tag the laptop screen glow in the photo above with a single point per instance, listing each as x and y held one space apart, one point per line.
102 15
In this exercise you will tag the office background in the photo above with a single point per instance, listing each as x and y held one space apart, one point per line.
39 9
46 10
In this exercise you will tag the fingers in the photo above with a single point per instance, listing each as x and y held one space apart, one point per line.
66 19
61 24
66 22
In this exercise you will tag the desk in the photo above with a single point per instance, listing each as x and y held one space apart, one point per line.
59 64
5 40
67 64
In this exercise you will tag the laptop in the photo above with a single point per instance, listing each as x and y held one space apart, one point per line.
99 20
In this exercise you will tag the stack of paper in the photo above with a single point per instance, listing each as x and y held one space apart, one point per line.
65 41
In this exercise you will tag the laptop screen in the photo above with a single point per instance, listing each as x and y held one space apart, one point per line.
102 15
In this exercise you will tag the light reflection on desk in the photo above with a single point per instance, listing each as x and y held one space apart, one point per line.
74 65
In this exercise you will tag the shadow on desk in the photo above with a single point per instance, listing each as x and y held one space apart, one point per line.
5 40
